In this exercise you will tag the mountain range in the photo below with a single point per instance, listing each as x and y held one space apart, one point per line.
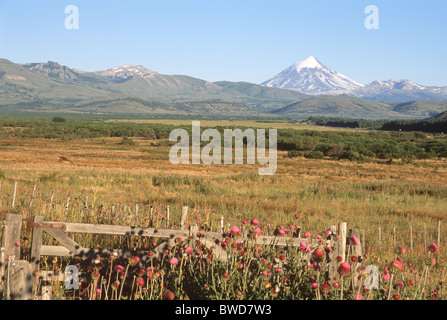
131 89
312 77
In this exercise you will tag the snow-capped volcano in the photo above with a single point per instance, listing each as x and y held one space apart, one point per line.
125 72
310 76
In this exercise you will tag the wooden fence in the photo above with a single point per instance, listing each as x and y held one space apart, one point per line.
21 277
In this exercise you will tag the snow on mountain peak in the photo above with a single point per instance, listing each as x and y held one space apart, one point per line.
310 62
126 72
310 76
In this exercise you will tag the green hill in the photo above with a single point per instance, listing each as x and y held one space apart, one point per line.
343 107
52 87
440 116
421 108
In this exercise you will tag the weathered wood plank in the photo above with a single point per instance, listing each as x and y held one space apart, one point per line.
20 280
60 236
356 250
36 244
341 243
123 230
14 195
184 218
11 235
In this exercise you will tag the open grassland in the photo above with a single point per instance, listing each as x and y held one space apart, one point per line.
102 173
323 192
280 124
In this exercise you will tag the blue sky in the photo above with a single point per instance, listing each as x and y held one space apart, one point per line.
235 40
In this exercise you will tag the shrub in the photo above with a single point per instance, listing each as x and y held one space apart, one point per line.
314 155
127 141
294 154
59 119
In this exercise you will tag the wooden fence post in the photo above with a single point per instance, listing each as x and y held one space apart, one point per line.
51 201
341 245
14 195
36 244
151 217
85 204
47 293
67 205
356 250
221 226
184 218
332 257
19 275
20 280
11 235
168 217
32 197
394 238
2 269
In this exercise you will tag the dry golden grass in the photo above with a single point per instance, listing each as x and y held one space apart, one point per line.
366 195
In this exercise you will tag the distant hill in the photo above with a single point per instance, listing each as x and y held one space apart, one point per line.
440 116
421 108
135 89
343 107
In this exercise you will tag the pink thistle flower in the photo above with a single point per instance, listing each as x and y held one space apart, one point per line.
355 240
235 230
173 261
433 261
399 285
257 231
133 261
17 244
344 269
397 265
119 268
358 297
255 222
318 254
188 250
433 248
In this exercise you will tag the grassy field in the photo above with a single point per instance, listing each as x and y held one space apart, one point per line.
367 196
323 192
280 124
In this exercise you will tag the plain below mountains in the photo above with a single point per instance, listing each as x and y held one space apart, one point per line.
138 90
